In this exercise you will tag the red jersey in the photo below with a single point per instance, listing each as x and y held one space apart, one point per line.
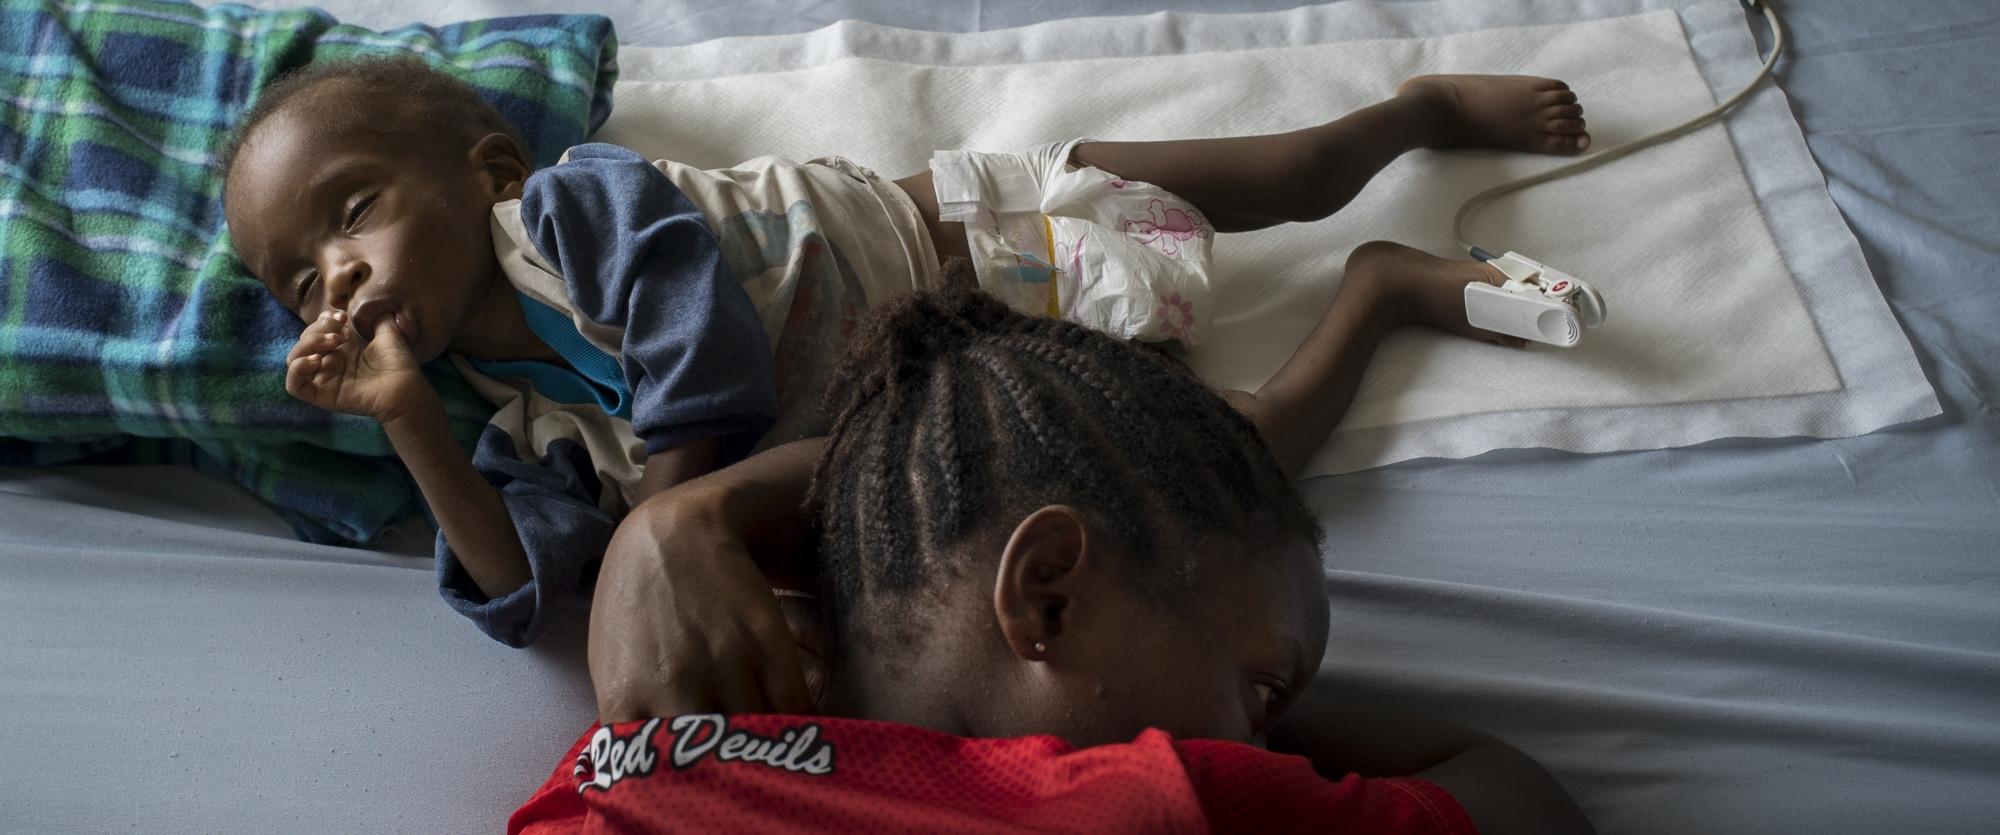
774 773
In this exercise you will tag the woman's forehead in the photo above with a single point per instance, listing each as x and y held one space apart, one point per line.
1281 590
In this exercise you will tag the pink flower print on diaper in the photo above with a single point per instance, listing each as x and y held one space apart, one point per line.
1176 316
1164 229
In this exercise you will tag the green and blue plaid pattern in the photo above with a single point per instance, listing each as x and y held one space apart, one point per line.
129 332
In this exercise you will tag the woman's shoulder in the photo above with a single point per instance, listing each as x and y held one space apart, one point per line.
810 773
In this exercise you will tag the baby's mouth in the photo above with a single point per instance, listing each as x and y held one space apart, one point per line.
408 325
373 313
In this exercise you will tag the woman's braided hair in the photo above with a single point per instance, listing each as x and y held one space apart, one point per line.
957 415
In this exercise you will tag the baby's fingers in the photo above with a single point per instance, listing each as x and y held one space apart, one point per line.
299 374
316 339
323 334
332 365
346 343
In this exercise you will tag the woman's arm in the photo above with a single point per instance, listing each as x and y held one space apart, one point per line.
684 620
1503 789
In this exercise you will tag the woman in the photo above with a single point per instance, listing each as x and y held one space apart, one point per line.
1071 589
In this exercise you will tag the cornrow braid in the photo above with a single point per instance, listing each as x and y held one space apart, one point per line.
956 416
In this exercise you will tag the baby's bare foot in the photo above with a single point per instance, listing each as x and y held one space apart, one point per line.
1419 288
1512 112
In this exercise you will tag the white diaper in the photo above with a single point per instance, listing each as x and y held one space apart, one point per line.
1124 257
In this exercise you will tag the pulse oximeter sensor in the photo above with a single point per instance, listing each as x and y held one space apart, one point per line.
1547 305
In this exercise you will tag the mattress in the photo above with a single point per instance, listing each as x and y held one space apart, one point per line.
1742 305
1746 636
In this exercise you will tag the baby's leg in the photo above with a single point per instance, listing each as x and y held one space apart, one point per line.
1250 182
1386 285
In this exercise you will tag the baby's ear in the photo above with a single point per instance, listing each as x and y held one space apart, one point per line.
503 163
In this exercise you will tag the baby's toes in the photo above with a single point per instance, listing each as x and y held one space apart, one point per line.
1565 143
1565 126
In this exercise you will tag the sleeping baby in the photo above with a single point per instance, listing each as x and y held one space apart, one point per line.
639 323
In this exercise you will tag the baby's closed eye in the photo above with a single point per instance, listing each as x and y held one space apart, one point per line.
358 214
301 285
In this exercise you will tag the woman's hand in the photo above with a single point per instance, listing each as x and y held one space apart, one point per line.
330 368
684 622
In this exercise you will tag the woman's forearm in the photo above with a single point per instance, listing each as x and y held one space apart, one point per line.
1341 738
468 509
761 501
683 619
1503 789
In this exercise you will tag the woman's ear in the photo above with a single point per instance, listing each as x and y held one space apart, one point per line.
504 164
1044 566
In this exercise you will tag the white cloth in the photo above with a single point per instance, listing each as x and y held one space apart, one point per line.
1714 338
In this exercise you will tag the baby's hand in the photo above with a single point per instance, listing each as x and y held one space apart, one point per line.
331 369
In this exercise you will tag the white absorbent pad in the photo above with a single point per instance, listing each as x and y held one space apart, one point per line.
1741 305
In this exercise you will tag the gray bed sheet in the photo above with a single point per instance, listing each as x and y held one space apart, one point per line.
1742 637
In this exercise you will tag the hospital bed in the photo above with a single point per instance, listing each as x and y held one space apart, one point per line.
1775 635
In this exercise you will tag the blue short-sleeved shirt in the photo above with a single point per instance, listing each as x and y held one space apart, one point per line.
621 274
686 304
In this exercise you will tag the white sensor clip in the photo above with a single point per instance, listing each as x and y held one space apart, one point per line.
1536 303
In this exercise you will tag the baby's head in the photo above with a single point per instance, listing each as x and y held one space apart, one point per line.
1051 531
367 186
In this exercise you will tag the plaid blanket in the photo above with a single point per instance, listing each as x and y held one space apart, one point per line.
129 332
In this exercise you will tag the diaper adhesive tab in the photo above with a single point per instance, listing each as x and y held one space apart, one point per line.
968 183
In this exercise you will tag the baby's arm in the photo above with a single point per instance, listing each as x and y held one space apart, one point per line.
469 511
1501 788
332 369
638 255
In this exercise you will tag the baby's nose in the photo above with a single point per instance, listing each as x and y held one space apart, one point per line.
343 280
